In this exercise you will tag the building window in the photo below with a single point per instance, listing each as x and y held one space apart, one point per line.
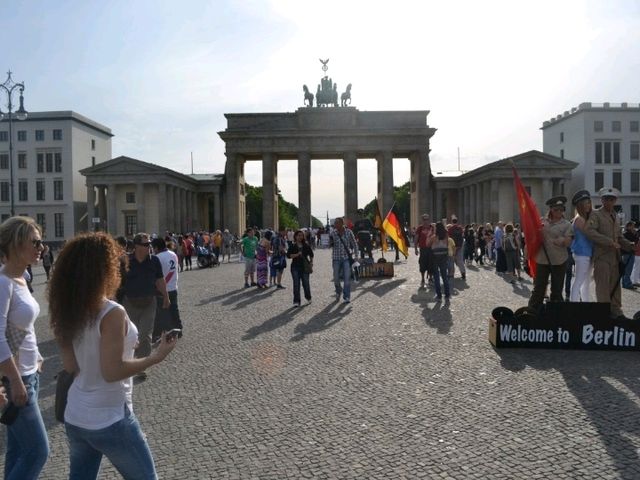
58 221
93 144
562 153
57 190
598 126
633 126
130 197
49 157
22 135
561 137
39 135
598 152
130 224
40 162
4 191
4 136
23 190
41 219
3 217
607 152
634 151
616 180
598 182
616 126
57 134
22 160
58 161
40 190
635 212
93 161
635 181
616 152
4 161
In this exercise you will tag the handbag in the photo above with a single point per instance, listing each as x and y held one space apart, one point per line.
64 380
307 266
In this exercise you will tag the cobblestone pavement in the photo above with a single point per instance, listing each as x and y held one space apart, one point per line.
390 386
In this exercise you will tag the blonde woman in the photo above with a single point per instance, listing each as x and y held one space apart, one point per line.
27 446
581 248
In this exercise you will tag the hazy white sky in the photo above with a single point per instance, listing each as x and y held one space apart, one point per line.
161 74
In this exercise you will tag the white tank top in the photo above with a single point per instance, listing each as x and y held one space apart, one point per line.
92 402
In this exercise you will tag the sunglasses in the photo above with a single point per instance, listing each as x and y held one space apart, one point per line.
36 243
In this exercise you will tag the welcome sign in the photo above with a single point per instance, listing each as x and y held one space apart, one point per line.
561 328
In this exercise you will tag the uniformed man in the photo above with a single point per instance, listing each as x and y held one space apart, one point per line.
552 256
603 229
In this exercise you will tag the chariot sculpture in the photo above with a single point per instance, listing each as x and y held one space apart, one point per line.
327 92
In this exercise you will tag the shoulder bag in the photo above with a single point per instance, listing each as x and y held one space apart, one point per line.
64 380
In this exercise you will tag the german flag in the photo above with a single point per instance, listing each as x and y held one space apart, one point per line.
530 221
395 230
377 223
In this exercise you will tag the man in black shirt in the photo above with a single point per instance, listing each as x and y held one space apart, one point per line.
141 282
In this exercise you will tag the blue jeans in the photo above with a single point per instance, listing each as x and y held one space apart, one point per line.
27 443
441 271
628 259
344 267
123 443
298 277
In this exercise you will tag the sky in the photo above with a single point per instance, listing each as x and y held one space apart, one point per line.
162 74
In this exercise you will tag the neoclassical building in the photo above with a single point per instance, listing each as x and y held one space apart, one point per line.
125 196
487 194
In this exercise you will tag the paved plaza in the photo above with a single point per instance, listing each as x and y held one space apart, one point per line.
390 386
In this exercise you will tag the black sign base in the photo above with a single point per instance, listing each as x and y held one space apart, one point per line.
584 326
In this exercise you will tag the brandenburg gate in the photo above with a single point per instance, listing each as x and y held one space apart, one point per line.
326 131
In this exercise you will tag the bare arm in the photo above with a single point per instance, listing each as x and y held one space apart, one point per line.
161 286
69 362
113 329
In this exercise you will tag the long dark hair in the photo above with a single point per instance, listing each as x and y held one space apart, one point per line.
87 270
441 232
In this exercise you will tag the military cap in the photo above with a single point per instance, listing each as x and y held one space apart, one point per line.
609 192
579 196
558 201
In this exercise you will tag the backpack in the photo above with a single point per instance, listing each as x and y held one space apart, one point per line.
456 235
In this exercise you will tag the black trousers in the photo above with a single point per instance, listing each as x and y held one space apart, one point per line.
167 319
541 281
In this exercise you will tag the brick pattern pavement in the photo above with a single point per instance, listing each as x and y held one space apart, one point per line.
391 386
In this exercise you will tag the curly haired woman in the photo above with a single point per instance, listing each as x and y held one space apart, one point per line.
97 340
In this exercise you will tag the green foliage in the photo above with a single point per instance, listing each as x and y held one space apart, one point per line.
287 212
402 198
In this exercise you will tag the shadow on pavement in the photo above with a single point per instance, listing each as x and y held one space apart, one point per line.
323 320
377 287
273 323
438 316
607 394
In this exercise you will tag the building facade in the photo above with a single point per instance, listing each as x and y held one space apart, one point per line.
487 194
49 150
604 139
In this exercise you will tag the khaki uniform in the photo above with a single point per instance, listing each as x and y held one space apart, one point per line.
603 229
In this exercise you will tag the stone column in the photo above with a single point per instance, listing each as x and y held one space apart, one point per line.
422 194
350 180
162 209
102 205
91 207
233 178
385 181
304 189
195 212
183 210
176 209
140 200
112 214
269 191
495 205
465 205
478 208
217 211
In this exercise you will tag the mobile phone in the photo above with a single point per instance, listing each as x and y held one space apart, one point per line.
9 414
171 334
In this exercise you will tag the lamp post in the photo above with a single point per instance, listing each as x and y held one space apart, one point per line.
9 87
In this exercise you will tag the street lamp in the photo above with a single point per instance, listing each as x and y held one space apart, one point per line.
21 114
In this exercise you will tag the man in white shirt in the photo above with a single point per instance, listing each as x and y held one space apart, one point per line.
167 319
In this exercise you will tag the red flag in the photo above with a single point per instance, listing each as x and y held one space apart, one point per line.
530 222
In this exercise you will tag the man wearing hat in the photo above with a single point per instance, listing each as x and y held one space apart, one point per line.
552 256
603 229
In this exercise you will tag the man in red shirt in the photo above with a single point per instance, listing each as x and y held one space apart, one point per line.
421 241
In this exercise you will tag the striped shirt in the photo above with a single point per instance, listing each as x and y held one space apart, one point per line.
339 250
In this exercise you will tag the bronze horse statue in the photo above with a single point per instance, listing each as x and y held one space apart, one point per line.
308 96
346 96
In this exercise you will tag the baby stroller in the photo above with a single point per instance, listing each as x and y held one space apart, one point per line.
206 258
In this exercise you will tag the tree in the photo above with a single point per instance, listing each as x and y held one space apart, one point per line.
287 212
402 199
